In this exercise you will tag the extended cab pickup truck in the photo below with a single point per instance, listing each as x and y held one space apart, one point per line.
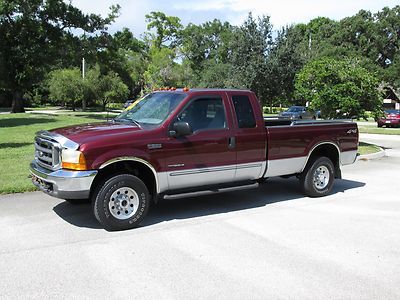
176 142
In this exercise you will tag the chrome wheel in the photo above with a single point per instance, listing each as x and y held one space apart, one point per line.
321 177
124 203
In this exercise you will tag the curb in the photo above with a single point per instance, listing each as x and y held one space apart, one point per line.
381 153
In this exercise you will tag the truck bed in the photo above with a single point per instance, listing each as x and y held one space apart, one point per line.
274 121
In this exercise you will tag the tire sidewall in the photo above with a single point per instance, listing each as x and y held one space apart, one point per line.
308 181
101 204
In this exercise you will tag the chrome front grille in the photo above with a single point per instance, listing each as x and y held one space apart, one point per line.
47 153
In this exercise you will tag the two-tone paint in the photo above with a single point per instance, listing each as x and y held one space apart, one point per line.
212 156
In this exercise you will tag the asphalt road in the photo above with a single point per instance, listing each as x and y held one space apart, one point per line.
264 243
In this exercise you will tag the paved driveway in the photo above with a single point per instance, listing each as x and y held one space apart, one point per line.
269 242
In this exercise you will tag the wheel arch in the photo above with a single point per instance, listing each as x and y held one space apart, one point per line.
327 149
131 165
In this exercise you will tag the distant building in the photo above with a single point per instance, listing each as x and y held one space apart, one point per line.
392 99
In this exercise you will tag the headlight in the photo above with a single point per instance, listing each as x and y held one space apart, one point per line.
73 159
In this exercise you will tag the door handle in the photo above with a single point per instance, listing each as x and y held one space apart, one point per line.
231 142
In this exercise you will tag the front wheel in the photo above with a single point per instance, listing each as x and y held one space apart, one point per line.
121 202
318 176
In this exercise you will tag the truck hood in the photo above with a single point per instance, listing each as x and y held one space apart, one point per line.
89 132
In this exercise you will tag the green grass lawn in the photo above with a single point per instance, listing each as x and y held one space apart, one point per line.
376 130
16 145
365 148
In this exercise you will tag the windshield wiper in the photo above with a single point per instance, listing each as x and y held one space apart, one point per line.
136 123
127 120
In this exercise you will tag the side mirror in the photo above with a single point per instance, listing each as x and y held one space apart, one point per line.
181 129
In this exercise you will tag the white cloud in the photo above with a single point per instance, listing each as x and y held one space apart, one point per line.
132 12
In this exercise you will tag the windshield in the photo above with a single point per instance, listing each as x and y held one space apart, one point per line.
295 109
392 111
152 109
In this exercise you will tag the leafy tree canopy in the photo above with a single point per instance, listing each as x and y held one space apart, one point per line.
339 88
66 86
32 35
167 28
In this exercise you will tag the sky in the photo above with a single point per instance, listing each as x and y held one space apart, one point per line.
282 12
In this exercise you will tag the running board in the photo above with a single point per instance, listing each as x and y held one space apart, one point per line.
213 191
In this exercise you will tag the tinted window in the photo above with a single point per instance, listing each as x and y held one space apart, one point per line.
244 112
205 113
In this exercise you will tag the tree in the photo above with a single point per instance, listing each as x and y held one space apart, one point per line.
167 28
338 88
107 88
32 38
250 49
206 45
66 86
161 69
293 47
125 55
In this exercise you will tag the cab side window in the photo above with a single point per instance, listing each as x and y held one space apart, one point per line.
204 113
244 111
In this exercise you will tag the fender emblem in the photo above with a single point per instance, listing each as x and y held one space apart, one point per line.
176 165
351 131
154 146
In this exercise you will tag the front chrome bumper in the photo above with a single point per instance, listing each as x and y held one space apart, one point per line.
61 183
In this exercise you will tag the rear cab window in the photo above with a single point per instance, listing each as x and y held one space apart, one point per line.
244 111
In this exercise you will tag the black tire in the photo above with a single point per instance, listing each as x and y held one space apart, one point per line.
77 201
379 126
106 205
308 178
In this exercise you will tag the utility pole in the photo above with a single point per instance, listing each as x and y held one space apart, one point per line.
83 78
83 68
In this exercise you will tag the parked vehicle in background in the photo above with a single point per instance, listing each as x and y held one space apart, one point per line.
298 113
390 119
172 143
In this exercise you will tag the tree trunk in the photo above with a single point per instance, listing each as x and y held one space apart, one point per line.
17 102
83 104
270 106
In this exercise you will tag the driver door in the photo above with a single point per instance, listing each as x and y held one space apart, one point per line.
208 155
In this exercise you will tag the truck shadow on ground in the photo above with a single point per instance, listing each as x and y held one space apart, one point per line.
273 191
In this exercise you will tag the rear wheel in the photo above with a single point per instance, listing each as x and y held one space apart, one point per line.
318 177
121 202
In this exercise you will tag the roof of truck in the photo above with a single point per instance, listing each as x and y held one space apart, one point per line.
189 90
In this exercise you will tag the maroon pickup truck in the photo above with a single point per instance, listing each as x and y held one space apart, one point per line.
176 142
